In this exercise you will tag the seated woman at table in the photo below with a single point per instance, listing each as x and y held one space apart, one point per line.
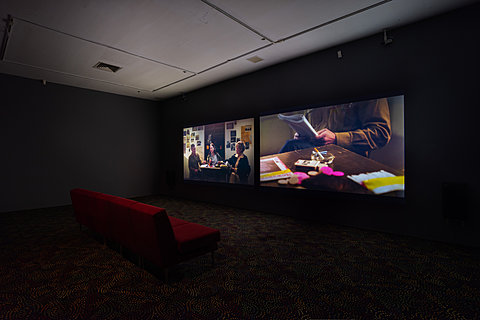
213 157
239 163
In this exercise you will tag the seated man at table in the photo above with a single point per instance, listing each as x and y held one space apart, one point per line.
360 127
194 163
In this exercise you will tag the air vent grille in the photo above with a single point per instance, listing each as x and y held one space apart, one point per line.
106 67
255 59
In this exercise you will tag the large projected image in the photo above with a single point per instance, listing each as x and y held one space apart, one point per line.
356 147
220 152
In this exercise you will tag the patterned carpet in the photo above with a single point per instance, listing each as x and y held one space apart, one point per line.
267 267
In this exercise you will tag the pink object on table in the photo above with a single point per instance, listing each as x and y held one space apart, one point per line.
327 170
338 173
301 176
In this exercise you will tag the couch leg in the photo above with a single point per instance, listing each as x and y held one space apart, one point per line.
141 262
213 259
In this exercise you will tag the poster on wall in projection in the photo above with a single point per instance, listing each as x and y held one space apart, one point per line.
245 134
355 147
218 154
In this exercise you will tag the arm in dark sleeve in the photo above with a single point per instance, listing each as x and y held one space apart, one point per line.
232 160
374 128
191 163
243 169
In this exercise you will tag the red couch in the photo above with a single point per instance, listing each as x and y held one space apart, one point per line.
144 229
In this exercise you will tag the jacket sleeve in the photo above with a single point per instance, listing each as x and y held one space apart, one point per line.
243 169
374 128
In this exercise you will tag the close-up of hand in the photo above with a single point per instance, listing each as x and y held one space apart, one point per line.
326 136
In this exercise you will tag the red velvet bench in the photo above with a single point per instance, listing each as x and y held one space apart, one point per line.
143 229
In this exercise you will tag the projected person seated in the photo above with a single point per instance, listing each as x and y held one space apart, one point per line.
360 127
213 157
194 163
239 165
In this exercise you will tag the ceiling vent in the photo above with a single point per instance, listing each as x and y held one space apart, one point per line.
255 59
106 67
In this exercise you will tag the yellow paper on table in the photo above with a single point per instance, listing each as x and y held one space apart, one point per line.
385 184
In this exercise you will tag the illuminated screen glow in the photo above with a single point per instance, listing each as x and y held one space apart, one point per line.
220 152
355 147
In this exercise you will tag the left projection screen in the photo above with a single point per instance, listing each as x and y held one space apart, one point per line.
220 152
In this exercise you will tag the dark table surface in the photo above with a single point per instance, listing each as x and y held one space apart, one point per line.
214 174
345 161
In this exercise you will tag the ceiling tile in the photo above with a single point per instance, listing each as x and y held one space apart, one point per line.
41 48
184 33
366 23
278 19
170 47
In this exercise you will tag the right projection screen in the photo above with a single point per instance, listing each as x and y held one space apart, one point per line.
355 147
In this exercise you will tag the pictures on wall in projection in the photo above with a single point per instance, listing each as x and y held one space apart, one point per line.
213 156
359 147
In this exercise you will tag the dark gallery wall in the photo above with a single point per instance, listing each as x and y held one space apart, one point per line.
435 63
55 138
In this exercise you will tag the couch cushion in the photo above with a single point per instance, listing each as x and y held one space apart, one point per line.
192 236
175 222
89 208
153 234
119 220
83 206
147 230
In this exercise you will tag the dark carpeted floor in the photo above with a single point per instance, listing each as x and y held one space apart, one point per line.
267 267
